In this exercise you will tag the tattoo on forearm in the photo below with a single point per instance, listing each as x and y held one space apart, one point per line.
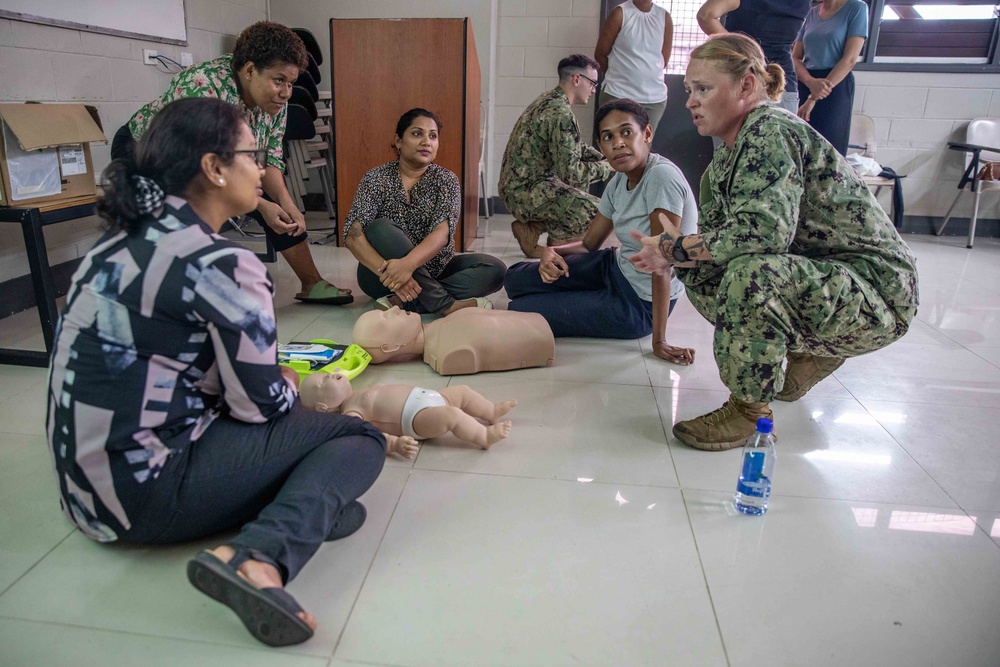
666 246
354 232
697 249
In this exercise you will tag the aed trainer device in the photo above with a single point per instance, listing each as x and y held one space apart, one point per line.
320 355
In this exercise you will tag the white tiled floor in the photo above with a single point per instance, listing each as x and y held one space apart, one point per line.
590 536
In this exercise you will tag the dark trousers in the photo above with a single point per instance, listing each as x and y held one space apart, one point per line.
284 481
831 116
123 146
466 276
595 301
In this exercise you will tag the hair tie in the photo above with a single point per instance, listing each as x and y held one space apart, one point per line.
148 194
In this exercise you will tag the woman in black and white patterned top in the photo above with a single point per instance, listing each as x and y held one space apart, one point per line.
401 229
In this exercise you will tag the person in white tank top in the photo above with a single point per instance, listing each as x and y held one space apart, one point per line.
633 49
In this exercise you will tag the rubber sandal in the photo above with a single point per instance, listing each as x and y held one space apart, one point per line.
382 303
348 521
325 293
483 302
268 613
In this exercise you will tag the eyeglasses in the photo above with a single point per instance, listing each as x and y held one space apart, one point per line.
593 84
259 155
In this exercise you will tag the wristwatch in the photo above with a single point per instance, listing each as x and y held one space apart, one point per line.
680 255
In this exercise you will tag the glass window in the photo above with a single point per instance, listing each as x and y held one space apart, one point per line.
935 31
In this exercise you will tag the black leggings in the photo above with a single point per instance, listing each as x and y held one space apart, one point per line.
123 146
284 481
466 276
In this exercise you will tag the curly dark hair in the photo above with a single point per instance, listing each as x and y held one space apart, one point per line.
631 107
265 44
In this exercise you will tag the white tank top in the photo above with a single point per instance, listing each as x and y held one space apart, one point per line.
635 64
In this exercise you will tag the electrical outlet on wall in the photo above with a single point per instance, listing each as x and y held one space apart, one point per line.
186 60
149 57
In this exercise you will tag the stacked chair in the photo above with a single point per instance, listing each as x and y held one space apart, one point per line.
307 138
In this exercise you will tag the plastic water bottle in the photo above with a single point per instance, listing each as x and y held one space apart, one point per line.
754 487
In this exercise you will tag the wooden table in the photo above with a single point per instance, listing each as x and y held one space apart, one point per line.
32 220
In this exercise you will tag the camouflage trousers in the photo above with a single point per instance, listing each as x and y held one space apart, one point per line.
563 209
764 306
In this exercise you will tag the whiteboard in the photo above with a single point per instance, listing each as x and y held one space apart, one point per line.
157 20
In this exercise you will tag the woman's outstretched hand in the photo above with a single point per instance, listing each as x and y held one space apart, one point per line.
649 259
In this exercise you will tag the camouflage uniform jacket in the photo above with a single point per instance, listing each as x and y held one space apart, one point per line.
545 142
782 188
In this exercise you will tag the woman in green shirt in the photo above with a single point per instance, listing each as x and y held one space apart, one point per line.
257 78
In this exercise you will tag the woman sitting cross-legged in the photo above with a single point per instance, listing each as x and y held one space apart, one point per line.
582 290
401 229
169 418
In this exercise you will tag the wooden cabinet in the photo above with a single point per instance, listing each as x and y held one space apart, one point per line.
384 67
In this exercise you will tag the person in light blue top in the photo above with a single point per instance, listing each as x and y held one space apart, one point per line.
586 291
824 54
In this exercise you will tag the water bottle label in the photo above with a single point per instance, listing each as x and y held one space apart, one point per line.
752 481
759 488
753 465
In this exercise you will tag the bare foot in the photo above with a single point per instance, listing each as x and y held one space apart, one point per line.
261 575
403 445
500 409
496 433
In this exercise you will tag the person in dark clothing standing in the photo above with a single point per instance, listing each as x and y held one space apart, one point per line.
774 24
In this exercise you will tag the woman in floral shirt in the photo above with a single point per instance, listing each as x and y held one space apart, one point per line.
257 78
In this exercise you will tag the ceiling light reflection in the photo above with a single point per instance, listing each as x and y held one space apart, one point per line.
848 457
995 531
618 497
929 522
922 522
585 480
865 516
873 419
649 507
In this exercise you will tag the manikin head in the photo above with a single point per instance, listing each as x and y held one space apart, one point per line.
389 333
324 392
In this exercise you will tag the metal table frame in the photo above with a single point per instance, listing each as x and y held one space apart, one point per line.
32 221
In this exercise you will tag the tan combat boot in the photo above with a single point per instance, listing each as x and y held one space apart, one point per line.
805 371
527 234
721 429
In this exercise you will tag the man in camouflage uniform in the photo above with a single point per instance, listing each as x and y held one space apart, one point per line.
798 262
547 169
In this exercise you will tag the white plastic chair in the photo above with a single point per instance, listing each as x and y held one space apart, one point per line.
862 140
982 132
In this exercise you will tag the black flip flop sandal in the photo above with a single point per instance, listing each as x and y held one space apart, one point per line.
268 613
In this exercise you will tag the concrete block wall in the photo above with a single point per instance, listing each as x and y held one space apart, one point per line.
916 115
49 64
532 37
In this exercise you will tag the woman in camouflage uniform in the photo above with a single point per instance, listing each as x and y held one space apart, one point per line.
795 259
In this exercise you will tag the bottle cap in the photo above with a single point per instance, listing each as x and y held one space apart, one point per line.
765 425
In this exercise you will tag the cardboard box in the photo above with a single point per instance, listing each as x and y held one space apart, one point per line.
45 153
